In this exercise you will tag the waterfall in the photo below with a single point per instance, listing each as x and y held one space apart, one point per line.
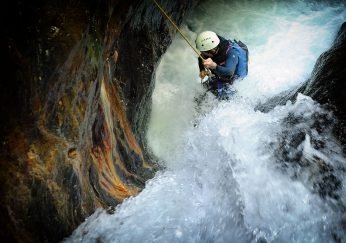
234 174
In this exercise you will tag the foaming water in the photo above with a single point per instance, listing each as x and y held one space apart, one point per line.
234 174
284 40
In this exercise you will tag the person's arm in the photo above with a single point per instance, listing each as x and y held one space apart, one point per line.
230 65
200 64
202 71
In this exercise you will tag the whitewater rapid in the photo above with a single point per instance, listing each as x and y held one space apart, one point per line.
233 173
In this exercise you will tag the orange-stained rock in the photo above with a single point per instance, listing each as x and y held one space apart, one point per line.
76 107
72 153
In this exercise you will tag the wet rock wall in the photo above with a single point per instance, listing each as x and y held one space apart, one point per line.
75 98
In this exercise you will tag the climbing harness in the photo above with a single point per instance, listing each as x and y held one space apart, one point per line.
182 35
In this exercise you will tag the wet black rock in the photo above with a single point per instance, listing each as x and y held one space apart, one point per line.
327 85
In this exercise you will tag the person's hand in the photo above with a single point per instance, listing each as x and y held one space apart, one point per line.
203 73
209 63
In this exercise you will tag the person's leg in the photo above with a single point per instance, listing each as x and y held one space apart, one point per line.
211 85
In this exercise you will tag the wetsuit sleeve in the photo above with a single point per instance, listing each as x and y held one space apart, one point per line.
200 64
230 64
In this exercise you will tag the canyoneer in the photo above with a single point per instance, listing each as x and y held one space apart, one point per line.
222 60
226 59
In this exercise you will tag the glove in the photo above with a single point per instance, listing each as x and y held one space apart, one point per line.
203 73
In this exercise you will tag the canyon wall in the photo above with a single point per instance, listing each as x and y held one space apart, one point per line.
75 98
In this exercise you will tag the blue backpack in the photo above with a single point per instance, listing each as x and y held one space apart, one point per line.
243 54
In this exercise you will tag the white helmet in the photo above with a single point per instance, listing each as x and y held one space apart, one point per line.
207 40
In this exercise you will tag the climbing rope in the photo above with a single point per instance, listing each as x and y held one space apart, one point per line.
182 35
177 28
